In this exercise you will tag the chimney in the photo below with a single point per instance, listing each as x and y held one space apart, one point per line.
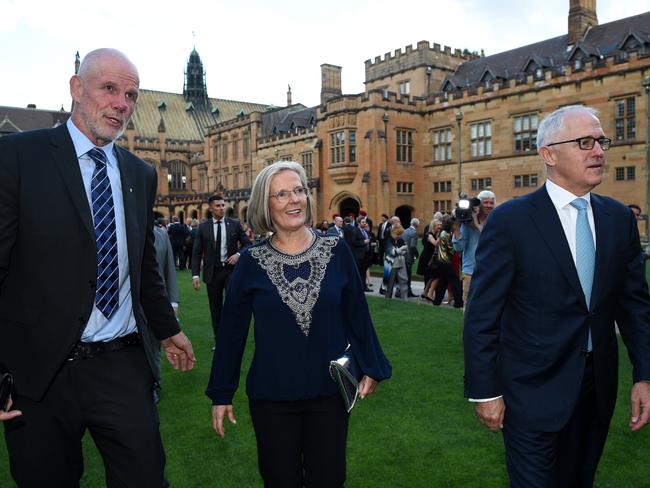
289 96
330 82
582 15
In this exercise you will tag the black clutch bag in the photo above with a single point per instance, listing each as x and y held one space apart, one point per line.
345 373
6 389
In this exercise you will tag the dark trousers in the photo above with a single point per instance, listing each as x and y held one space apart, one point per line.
301 443
110 395
564 459
216 289
179 255
409 271
449 276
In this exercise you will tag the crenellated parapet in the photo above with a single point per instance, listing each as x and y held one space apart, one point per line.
282 137
424 55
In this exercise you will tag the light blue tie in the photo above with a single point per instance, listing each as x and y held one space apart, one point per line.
585 253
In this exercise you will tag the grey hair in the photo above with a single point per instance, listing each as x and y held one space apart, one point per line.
486 194
553 123
415 222
259 212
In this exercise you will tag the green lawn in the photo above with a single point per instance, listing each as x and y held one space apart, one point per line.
417 431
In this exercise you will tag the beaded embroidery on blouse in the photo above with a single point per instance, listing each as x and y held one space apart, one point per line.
297 277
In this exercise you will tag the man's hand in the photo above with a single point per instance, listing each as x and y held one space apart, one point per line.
640 405
9 413
367 386
178 349
218 413
491 413
232 260
196 283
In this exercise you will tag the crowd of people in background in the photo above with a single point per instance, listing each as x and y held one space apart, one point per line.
441 255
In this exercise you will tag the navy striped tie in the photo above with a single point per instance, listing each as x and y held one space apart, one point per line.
107 294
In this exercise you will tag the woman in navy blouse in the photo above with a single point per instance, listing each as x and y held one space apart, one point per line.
305 295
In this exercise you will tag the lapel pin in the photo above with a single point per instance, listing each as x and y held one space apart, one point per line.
131 190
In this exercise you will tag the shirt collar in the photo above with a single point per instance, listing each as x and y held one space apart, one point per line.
214 221
82 144
562 198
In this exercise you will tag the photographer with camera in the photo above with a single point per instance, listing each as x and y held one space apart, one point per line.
471 214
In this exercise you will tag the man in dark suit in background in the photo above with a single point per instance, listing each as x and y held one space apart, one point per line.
178 235
354 237
555 269
77 340
217 246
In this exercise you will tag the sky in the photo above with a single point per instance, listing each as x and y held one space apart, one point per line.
251 50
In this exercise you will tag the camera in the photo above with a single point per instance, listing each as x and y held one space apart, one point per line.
465 208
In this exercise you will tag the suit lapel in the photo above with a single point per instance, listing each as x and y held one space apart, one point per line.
128 181
605 245
552 233
65 158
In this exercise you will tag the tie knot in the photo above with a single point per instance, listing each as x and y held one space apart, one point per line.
217 222
98 155
579 203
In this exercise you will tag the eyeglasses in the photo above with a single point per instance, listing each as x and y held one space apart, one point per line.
282 196
587 143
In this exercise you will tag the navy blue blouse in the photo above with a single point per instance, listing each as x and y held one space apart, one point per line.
306 309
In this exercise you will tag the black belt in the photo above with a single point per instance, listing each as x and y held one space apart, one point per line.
87 350
221 265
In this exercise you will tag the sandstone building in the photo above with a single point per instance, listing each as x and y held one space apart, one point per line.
431 121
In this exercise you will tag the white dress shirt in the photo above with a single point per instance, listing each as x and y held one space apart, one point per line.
122 322
223 255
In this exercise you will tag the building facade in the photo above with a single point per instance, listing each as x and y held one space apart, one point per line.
433 121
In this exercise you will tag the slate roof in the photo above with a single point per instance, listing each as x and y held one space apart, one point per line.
280 120
182 120
17 119
600 41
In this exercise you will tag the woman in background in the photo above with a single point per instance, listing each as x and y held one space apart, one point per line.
395 262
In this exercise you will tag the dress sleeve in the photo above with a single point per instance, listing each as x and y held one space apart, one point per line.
232 335
358 324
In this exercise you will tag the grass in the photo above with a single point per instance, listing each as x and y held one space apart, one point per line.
416 431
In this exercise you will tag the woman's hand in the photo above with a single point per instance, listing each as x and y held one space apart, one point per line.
218 413
366 386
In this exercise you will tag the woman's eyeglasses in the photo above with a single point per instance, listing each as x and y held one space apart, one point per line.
282 196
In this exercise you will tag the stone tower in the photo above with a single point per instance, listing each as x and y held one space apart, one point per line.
195 89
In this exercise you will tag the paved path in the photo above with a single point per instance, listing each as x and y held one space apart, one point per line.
417 287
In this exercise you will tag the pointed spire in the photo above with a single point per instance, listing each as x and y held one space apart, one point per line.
195 89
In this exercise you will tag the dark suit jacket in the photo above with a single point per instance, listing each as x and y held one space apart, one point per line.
527 319
354 238
178 234
204 245
48 260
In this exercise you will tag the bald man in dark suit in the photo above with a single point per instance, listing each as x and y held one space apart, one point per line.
76 339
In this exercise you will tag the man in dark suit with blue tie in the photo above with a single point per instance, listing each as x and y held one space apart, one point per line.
217 246
555 270
77 340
